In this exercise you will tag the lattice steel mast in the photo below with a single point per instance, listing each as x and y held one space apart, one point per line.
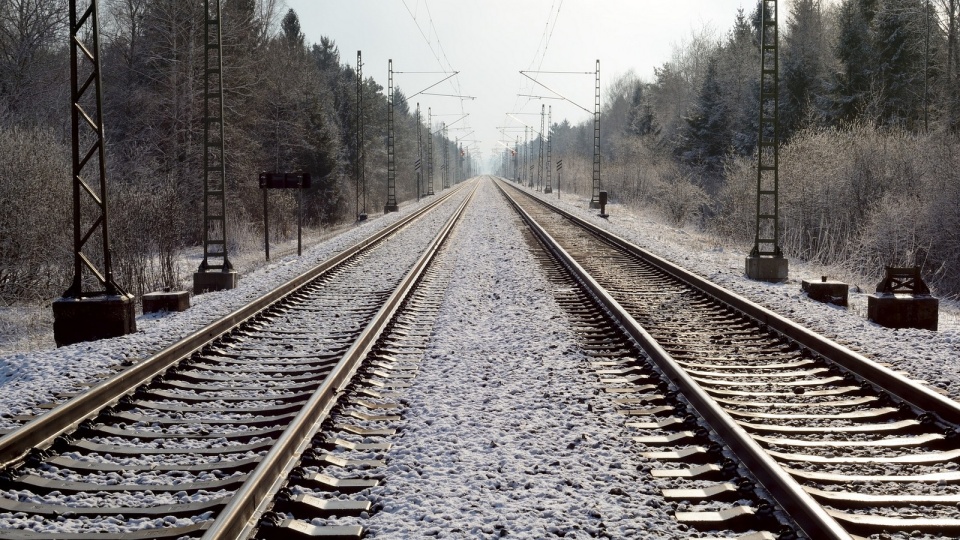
360 168
430 179
446 156
84 315
540 156
595 198
516 160
419 153
766 260
458 156
214 169
527 180
391 205
548 188
81 115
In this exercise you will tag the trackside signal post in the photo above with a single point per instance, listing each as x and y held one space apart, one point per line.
559 168
766 261
272 180
215 272
82 314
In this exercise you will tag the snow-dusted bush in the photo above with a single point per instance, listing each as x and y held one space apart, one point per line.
678 197
735 204
863 198
576 175
149 231
634 178
35 246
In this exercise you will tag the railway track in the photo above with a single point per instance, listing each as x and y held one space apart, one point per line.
843 445
198 439
751 424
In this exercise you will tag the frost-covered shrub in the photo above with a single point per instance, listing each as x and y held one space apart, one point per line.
862 198
35 242
891 236
735 204
149 230
634 177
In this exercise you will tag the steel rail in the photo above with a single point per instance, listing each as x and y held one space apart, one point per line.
237 520
809 515
921 398
40 432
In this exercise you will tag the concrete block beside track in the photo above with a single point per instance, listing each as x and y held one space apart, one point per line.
92 318
214 281
827 291
772 269
165 301
903 310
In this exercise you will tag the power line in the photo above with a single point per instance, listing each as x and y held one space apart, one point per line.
425 38
545 41
440 51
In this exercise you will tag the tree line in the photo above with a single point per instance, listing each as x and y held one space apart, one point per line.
869 117
869 121
289 105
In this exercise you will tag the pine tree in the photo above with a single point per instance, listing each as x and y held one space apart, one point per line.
900 48
640 117
291 30
802 65
851 85
738 69
707 133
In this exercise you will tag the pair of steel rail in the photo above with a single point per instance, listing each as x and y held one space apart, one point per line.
238 518
810 516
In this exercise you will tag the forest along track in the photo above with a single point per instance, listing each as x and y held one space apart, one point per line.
844 445
197 439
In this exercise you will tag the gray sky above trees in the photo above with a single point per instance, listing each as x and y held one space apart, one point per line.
490 41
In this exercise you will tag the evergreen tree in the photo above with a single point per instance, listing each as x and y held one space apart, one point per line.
319 156
738 74
851 85
291 30
707 133
327 55
899 38
640 117
803 64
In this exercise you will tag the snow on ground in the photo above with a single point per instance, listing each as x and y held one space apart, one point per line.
28 327
30 379
930 356
502 432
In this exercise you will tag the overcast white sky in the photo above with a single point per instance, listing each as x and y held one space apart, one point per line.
490 41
